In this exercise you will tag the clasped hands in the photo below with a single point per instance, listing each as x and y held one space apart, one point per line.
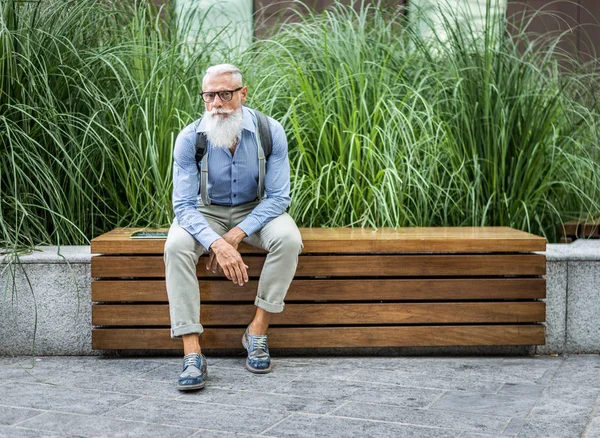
225 257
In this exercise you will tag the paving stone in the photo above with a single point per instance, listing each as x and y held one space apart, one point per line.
593 428
96 426
432 381
521 370
125 385
56 398
361 391
15 432
344 363
583 370
326 389
23 372
480 435
255 399
559 410
514 426
566 428
203 433
564 400
534 361
198 415
223 377
243 380
386 394
10 415
521 389
396 395
487 404
494 371
9 360
310 426
423 417
319 369
60 368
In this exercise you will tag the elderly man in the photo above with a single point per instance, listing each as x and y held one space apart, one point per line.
218 202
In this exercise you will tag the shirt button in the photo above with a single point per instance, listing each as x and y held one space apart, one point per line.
235 180
234 163
234 195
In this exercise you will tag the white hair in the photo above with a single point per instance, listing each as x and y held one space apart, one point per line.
223 132
224 69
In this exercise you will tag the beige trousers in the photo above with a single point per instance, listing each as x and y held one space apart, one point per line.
280 238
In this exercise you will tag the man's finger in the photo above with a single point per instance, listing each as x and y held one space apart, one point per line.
234 271
214 265
227 273
239 276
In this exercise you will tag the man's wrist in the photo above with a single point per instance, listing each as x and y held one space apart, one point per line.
214 247
239 233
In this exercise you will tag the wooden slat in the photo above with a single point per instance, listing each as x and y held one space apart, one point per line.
313 337
333 290
361 240
350 266
324 314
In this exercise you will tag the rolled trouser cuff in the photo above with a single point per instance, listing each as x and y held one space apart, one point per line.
269 307
186 330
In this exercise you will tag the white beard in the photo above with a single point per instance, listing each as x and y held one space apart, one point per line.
222 132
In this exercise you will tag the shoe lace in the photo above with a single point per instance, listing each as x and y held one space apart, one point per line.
260 342
190 360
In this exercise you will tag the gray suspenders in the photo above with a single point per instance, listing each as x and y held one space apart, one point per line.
204 181
265 145
260 190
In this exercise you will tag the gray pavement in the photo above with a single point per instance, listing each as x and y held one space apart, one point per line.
466 397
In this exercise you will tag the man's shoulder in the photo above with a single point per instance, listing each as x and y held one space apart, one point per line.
188 133
276 127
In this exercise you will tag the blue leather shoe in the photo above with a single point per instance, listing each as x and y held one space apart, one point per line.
259 360
194 374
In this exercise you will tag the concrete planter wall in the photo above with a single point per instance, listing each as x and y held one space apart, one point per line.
62 295
59 286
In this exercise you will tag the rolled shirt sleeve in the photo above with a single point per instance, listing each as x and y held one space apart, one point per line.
185 189
277 184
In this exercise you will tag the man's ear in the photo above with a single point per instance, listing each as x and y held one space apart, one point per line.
243 93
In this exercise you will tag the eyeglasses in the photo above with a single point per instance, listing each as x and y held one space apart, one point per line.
224 95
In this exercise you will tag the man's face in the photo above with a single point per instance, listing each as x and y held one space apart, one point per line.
220 83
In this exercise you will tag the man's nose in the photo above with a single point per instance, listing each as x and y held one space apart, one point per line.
217 102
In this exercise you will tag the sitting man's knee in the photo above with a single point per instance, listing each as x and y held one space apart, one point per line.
291 241
177 245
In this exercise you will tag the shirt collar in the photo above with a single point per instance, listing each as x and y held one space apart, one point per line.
247 121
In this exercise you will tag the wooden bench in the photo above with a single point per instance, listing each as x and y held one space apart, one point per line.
353 288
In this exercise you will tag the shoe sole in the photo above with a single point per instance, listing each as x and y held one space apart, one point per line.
191 387
257 371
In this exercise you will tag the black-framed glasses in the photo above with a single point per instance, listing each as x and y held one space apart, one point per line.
224 95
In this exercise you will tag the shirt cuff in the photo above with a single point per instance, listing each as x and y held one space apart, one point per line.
250 225
207 238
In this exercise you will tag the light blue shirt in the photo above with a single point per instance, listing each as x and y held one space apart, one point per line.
232 179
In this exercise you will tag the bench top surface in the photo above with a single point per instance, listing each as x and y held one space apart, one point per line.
356 240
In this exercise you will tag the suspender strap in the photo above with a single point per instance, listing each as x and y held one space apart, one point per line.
201 150
260 190
265 144
204 181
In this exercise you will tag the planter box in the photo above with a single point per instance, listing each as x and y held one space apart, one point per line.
64 327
